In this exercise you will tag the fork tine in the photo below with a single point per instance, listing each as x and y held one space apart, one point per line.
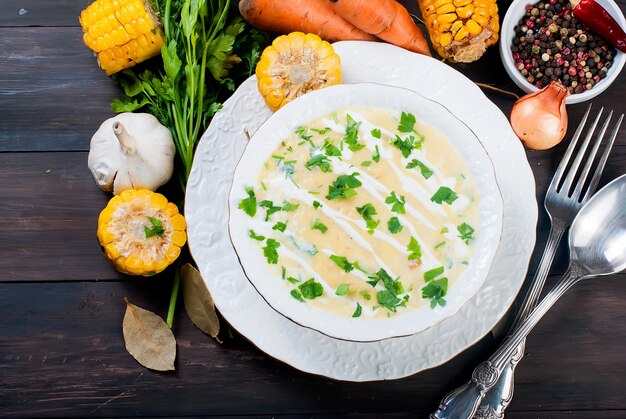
568 153
567 183
600 168
590 158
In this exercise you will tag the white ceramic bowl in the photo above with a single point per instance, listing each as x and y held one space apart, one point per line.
299 112
516 11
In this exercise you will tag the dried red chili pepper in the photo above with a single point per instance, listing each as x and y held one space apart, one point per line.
600 21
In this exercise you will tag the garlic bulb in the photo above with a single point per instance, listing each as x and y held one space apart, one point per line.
131 151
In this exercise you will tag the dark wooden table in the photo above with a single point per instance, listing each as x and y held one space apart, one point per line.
61 303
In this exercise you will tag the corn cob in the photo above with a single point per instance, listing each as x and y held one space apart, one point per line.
461 30
140 232
121 32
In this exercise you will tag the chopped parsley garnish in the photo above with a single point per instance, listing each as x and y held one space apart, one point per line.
248 205
440 245
263 186
444 230
318 225
254 236
269 251
357 311
352 134
321 131
366 163
343 187
316 204
467 232
394 225
343 263
296 294
388 297
433 273
376 156
331 150
376 133
280 226
435 289
293 280
335 118
415 249
156 229
367 211
311 289
301 132
342 289
288 206
398 203
444 194
407 122
270 208
320 161
365 294
283 272
279 158
407 145
425 170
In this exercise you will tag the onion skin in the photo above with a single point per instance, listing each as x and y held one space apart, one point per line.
540 119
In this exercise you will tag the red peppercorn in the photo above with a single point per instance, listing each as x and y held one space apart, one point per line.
530 24
528 7
516 57
572 71
529 66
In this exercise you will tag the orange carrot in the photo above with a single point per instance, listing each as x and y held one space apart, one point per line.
386 19
308 16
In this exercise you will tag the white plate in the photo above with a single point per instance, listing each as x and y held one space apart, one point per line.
322 102
207 217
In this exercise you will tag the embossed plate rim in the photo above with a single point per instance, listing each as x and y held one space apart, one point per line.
311 351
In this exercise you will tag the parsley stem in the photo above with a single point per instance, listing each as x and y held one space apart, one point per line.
174 297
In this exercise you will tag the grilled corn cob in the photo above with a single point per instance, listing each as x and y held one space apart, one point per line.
140 232
461 30
296 64
121 32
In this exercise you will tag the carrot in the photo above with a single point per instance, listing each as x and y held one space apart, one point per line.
308 16
386 19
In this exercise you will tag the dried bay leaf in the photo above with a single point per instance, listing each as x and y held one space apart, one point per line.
199 304
148 339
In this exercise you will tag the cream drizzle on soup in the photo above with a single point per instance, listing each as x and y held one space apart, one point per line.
364 212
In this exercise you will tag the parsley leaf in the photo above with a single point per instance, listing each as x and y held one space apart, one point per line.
280 226
394 225
301 132
343 187
270 208
320 161
376 133
156 229
248 205
288 206
269 251
433 273
296 294
330 150
376 156
311 289
357 311
318 225
321 131
393 286
444 194
367 163
407 145
342 262
352 134
425 170
367 211
316 204
467 232
387 299
415 250
435 290
366 295
398 203
342 289
407 122
254 236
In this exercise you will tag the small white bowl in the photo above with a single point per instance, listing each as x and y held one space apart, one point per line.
516 11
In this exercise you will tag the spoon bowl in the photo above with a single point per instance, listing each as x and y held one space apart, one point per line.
597 238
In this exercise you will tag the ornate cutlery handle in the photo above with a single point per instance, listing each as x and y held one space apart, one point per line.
498 398
463 402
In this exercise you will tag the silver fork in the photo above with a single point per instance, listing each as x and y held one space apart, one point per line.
563 201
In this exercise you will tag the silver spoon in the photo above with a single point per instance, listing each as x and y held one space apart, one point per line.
597 243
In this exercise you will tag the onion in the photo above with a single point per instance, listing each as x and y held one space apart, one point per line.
539 119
